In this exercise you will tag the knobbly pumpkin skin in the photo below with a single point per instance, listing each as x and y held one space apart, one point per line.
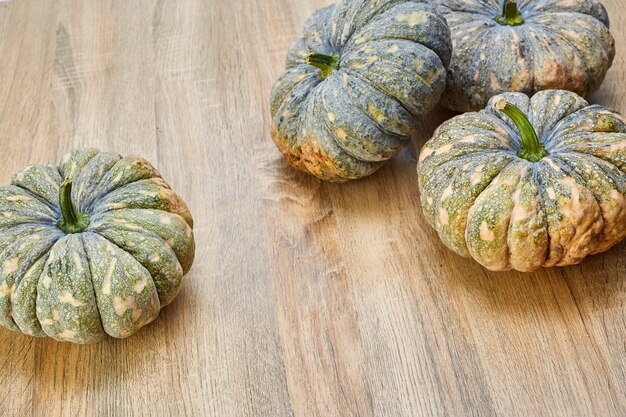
488 202
544 44
356 84
95 246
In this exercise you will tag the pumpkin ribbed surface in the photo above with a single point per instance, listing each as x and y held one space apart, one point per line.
111 275
356 84
554 45
506 212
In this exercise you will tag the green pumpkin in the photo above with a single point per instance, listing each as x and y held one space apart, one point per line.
524 46
356 85
93 247
527 182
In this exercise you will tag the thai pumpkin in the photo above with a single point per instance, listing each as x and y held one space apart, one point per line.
92 247
527 182
524 46
356 85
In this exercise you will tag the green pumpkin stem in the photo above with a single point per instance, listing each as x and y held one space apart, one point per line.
72 221
327 63
532 150
510 15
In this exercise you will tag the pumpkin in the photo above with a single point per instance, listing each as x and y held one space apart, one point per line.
524 46
527 182
356 84
92 247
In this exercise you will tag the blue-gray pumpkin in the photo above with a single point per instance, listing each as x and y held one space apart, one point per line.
524 46
356 85
527 182
92 247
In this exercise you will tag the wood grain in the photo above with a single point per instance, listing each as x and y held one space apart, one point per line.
306 299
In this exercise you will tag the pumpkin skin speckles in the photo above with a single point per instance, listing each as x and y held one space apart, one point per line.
506 212
357 83
111 278
559 45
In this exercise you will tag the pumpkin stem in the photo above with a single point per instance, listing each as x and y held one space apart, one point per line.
532 150
510 15
327 63
72 221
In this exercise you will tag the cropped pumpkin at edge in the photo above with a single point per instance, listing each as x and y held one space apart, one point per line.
527 182
357 84
524 46
93 247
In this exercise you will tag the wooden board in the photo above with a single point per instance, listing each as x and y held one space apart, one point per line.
306 299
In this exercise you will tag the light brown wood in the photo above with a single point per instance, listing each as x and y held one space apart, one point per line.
306 299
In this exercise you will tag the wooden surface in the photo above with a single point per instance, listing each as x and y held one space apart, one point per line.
306 299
